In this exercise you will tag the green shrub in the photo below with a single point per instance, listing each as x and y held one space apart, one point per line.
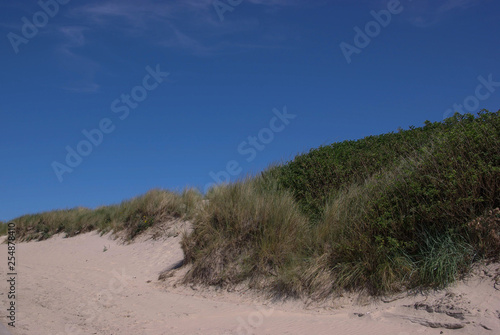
312 177
375 234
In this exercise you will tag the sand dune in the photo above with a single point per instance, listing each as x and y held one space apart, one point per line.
93 284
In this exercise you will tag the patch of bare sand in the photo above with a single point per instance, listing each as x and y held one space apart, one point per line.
93 284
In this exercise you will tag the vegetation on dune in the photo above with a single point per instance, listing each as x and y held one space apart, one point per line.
131 216
3 228
246 230
410 209
384 213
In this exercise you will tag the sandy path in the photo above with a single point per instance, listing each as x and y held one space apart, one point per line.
73 286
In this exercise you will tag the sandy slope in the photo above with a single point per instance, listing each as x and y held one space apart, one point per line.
73 286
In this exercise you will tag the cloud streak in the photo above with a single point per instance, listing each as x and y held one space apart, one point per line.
189 26
85 69
144 19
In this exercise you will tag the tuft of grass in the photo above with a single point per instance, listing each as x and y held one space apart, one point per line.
154 207
244 232
442 260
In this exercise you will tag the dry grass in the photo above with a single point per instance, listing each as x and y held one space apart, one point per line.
131 216
245 232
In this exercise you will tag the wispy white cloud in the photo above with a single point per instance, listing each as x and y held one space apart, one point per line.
74 36
189 26
178 39
143 13
138 19
83 68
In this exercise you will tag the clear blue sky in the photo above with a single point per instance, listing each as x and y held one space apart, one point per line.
228 79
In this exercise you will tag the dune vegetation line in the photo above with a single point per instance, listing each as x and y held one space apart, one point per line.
404 210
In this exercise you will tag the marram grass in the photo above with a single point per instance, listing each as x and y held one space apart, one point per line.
410 209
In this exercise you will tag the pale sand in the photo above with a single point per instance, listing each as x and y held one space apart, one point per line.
71 286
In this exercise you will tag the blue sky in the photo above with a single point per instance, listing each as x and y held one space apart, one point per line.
248 84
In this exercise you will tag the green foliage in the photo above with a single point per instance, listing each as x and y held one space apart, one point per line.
312 177
384 213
